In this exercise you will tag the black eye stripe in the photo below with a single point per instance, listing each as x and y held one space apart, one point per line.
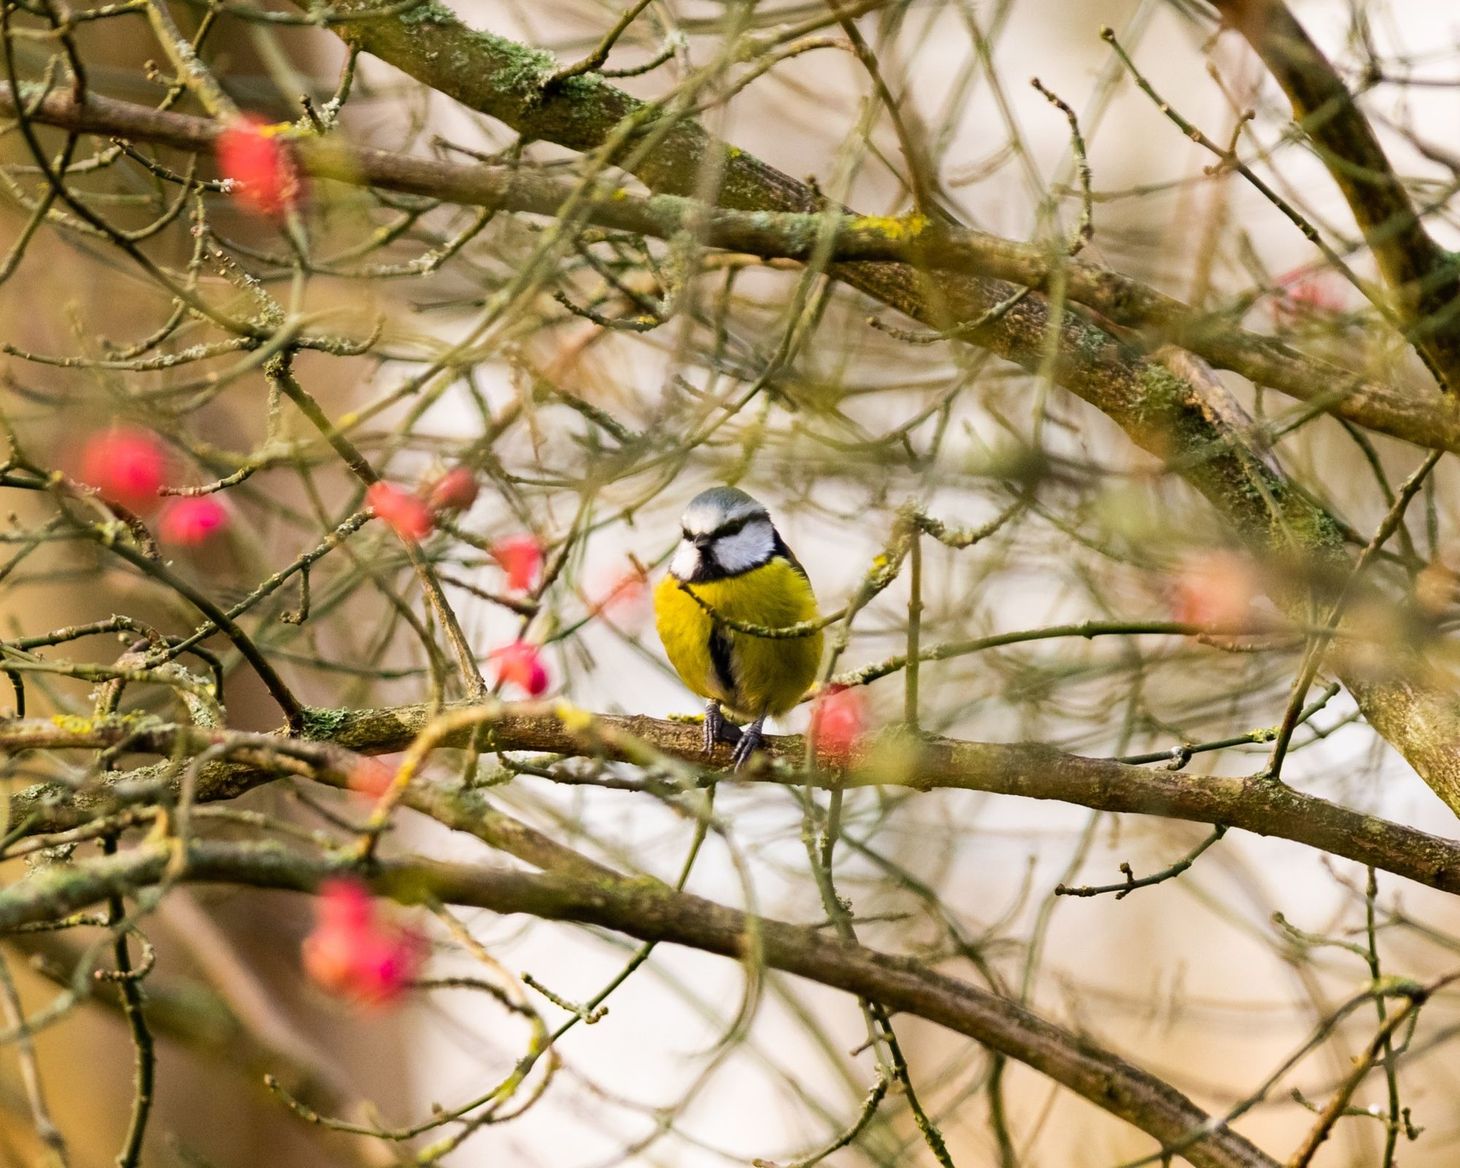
734 527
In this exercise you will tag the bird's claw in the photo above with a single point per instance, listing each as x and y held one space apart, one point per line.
750 740
719 728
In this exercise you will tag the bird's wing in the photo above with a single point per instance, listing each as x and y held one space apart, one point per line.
786 553
720 658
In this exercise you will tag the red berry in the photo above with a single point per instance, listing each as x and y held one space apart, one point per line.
1216 590
190 521
456 490
261 168
521 558
370 776
352 951
624 597
838 723
406 513
125 465
520 664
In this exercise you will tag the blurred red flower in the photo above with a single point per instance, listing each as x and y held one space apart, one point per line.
354 952
261 168
456 490
838 723
190 521
406 513
521 558
520 664
125 465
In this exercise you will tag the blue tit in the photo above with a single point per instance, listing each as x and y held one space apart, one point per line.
733 563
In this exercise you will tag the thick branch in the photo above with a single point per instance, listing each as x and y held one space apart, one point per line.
1424 419
1168 415
1424 278
1031 771
652 911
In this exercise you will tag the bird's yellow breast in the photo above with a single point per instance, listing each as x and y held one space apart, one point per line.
766 675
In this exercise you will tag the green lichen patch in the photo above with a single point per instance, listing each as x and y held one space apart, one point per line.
428 12
321 724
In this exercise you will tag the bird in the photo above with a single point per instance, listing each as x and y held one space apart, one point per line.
731 567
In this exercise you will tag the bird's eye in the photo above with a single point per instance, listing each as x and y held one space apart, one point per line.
730 529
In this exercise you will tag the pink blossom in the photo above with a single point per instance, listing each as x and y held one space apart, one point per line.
261 167
190 521
456 490
520 664
125 465
838 723
521 558
353 951
406 513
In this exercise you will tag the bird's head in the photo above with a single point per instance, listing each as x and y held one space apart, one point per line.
724 532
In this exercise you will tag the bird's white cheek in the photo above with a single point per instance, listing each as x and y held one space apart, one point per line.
748 548
686 561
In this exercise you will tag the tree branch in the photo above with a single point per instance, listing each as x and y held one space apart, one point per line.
1259 805
1424 419
1171 416
652 911
1424 278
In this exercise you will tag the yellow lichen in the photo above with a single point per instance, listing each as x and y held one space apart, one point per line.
574 719
83 727
74 724
891 227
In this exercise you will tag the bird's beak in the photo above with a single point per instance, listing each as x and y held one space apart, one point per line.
701 542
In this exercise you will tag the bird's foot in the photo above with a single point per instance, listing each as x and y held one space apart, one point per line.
719 728
750 740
